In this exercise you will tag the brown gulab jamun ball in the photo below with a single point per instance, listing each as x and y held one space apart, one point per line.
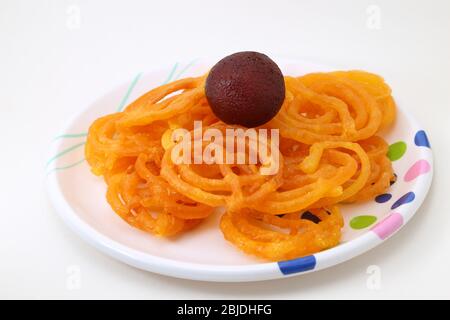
245 88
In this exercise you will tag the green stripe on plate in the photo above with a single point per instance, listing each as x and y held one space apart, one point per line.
190 64
71 135
124 100
67 166
172 72
60 154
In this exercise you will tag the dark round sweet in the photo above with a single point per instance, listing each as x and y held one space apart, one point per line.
245 88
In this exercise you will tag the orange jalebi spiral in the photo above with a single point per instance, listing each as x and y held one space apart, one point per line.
329 153
254 233
232 185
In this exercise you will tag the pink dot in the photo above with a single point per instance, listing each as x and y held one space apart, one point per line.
388 225
417 169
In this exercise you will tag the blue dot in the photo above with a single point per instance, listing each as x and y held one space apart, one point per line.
382 198
406 198
297 265
421 139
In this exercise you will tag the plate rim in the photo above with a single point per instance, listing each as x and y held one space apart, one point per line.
226 273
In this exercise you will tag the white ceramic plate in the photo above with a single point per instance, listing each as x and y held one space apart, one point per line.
203 254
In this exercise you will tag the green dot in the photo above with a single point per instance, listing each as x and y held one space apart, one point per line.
361 222
396 150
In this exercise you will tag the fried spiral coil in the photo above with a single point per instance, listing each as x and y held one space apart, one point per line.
262 234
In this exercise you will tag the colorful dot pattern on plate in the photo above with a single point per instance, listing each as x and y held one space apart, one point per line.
406 198
382 198
388 226
362 222
297 265
419 168
421 139
397 150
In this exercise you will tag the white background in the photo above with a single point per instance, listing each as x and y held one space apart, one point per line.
51 69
